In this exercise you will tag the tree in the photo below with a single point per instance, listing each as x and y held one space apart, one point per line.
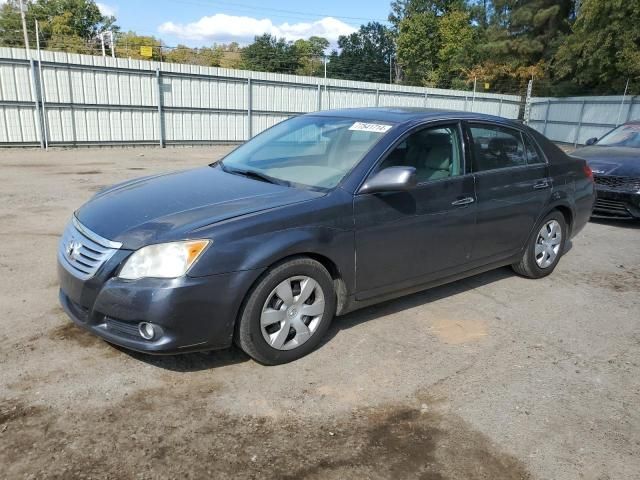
270 54
417 18
310 55
604 49
129 43
70 25
402 9
436 50
527 32
205 56
418 46
364 55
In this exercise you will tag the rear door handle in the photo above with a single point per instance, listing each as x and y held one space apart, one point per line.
463 201
541 185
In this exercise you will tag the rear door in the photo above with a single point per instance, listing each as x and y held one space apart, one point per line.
512 187
407 238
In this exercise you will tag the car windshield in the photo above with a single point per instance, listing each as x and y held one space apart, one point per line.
306 151
623 136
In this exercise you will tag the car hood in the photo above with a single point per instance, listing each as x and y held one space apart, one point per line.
618 161
170 206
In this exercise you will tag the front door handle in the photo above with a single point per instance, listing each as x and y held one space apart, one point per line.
463 201
541 185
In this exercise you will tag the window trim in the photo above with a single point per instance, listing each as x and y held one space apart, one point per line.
458 123
468 124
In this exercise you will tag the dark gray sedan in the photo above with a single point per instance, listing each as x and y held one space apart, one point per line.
319 215
615 161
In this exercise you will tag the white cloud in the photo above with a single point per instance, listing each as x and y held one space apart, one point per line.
107 10
226 28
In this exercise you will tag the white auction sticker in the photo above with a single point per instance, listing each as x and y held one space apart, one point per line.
369 127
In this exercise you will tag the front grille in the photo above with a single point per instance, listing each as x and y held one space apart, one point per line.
627 184
83 252
611 207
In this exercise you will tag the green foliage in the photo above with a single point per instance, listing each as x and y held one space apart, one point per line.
205 56
603 50
364 55
129 43
270 54
443 43
436 50
69 25
310 54
526 32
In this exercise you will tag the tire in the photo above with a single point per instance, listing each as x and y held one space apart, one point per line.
538 265
278 297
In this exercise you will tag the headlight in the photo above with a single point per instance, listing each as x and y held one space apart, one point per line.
163 260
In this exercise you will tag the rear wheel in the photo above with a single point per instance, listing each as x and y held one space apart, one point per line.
545 247
287 313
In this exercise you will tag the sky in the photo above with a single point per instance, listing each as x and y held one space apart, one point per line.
204 22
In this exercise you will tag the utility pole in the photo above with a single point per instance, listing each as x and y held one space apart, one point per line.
113 45
102 42
45 134
473 100
624 95
24 28
325 67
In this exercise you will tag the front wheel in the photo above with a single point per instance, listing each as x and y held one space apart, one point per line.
545 247
287 312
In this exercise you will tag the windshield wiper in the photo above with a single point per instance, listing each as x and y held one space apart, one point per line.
253 174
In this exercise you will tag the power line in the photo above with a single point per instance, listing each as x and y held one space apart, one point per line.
302 14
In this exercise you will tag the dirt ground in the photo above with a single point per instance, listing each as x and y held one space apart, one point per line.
493 377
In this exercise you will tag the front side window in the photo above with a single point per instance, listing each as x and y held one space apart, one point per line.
496 147
435 153
306 151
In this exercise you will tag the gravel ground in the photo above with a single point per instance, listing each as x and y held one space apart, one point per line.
492 377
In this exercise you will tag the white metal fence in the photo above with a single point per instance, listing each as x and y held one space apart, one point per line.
71 99
576 119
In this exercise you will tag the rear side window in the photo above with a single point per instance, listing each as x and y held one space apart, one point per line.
496 147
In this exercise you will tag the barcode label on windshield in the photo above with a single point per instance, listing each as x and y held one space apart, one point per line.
369 127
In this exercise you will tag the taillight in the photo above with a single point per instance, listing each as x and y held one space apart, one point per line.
588 172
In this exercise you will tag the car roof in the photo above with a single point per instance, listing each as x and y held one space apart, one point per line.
408 114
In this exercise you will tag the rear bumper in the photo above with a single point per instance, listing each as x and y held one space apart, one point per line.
189 314
616 204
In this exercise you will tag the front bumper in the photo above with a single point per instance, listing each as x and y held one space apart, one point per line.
616 204
190 313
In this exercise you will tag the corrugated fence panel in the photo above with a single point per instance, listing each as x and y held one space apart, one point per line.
196 127
102 100
272 97
576 119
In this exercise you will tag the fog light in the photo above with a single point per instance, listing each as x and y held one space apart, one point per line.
147 331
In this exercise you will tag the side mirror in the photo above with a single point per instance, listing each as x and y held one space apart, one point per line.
591 141
392 179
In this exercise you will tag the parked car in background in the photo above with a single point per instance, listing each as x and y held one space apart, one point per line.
320 215
615 161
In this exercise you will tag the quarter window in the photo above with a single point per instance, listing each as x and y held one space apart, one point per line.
533 157
496 147
435 153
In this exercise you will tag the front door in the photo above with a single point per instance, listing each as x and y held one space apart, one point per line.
512 187
408 238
